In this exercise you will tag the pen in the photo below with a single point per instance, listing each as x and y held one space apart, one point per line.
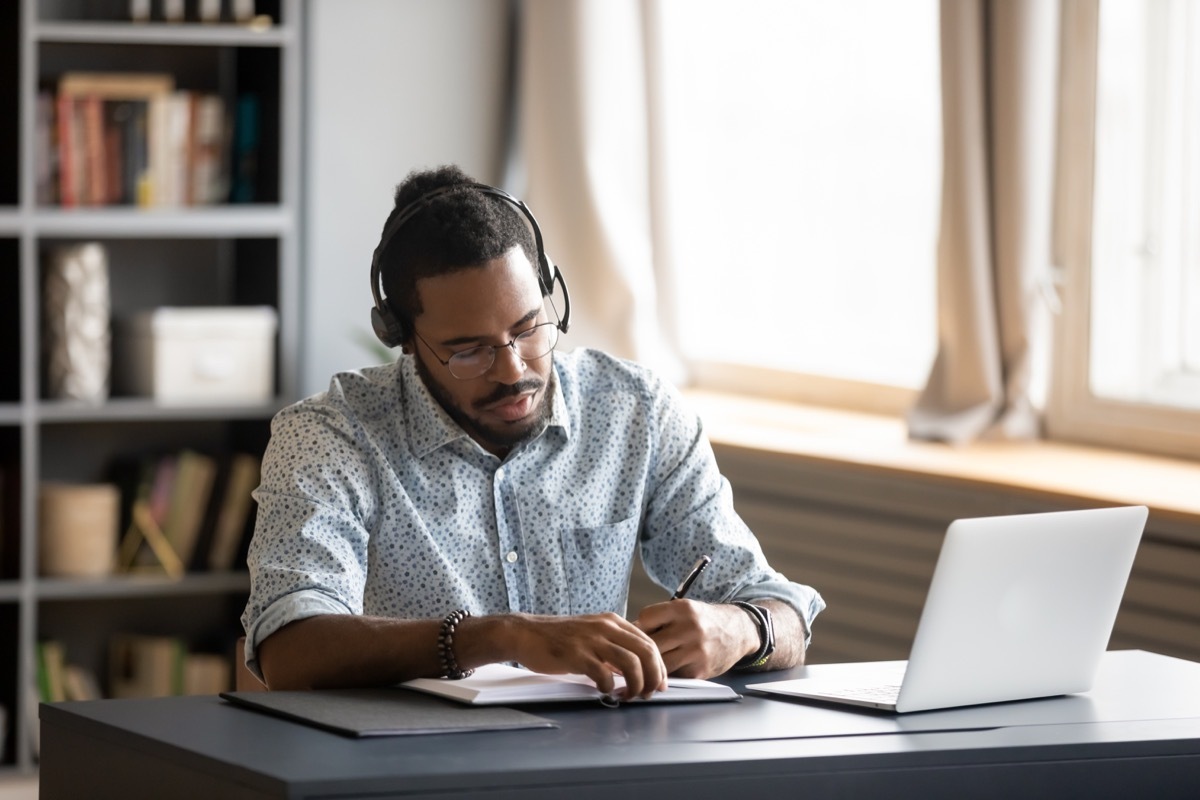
701 563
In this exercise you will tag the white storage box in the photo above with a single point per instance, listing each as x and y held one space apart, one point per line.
199 355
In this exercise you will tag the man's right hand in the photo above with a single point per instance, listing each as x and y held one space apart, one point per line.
595 645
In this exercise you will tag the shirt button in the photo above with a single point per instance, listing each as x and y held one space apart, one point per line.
511 557
500 474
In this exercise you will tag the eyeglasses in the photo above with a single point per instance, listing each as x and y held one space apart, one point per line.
530 345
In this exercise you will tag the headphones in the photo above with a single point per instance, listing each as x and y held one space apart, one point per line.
388 327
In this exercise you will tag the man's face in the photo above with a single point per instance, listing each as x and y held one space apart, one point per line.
485 305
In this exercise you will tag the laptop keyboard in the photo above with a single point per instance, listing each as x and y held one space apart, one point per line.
884 693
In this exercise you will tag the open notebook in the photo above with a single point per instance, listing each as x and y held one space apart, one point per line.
1020 607
501 684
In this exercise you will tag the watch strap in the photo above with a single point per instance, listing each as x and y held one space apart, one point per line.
766 635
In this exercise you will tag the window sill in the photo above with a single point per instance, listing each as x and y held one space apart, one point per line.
881 444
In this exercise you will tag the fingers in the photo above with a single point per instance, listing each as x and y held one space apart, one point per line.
696 639
636 658
672 625
596 646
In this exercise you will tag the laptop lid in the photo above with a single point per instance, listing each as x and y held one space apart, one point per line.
1020 606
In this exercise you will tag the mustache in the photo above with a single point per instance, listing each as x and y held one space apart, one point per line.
503 392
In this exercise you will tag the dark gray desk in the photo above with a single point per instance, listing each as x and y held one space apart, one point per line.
1137 734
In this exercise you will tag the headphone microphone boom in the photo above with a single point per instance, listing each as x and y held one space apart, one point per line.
388 326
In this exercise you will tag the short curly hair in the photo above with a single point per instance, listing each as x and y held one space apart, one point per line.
455 231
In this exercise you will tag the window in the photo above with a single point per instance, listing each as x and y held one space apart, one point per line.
1129 347
1145 326
803 164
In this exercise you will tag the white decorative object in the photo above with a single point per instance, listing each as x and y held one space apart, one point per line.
210 10
172 10
76 335
184 356
243 10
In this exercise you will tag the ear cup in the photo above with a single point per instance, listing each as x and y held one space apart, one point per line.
387 328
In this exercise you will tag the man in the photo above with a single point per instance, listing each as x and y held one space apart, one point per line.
481 499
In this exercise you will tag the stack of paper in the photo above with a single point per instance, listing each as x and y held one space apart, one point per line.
500 684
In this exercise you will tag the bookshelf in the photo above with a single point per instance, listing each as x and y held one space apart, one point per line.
241 249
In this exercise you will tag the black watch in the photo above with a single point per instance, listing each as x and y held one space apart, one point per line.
766 635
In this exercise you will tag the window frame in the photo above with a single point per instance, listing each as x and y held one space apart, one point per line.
799 387
1073 412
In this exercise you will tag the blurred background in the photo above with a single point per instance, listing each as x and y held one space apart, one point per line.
909 261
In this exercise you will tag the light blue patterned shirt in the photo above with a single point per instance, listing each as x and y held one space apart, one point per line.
374 501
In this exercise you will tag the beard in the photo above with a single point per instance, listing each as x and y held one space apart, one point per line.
500 437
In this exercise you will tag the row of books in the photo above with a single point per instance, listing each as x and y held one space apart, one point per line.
135 139
186 511
138 666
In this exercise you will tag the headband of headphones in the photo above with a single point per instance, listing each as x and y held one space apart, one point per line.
388 326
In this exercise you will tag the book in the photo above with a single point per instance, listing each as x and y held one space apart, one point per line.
146 666
94 169
382 712
190 494
206 673
161 487
208 170
501 684
80 683
46 150
113 134
116 85
51 664
233 515
136 159
69 139
244 165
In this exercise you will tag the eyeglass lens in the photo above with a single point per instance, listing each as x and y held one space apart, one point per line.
529 345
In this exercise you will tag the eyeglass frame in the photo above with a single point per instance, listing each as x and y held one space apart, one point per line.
510 344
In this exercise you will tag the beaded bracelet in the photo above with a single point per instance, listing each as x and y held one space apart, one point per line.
445 645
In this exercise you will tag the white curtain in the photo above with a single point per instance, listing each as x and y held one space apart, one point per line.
999 67
583 85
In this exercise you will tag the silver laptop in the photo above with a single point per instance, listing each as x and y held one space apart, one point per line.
1019 607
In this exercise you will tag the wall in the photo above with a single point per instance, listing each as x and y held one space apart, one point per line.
392 86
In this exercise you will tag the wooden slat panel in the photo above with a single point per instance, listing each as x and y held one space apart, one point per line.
869 541
1158 633
788 535
1168 559
834 646
1154 594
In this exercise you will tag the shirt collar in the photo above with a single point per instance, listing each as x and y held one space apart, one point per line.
428 425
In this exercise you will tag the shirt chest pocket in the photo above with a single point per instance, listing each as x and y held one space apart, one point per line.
597 565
